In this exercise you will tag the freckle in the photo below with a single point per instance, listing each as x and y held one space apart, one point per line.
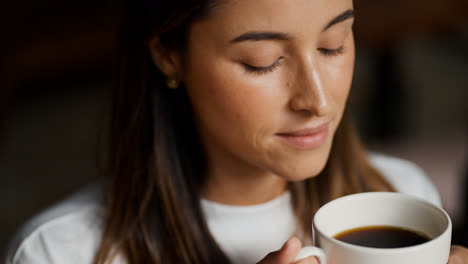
287 84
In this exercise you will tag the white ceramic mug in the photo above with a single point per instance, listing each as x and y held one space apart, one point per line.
380 209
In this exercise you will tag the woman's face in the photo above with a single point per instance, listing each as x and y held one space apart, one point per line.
268 80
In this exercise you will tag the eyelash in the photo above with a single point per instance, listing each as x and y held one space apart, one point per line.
271 68
332 52
263 70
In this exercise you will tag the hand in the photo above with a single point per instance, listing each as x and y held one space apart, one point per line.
458 255
288 253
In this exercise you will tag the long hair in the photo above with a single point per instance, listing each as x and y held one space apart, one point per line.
156 163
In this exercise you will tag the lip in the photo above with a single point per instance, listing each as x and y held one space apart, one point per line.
305 139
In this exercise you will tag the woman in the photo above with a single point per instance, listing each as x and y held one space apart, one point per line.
226 137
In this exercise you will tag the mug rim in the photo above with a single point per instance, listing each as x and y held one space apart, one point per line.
448 228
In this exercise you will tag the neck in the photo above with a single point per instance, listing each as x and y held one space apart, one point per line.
235 182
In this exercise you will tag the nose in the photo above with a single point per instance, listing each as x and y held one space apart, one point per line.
310 94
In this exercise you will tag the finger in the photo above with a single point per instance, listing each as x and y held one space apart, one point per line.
270 258
458 255
285 255
309 260
289 251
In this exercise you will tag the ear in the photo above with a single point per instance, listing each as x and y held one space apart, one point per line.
168 62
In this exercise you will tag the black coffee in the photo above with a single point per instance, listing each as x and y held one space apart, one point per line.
382 237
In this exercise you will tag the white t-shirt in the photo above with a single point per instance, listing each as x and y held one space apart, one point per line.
70 231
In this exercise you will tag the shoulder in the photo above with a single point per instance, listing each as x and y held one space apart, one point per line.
68 232
406 177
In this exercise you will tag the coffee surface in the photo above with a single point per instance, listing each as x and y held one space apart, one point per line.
382 237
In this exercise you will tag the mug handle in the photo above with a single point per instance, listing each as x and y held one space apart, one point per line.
311 251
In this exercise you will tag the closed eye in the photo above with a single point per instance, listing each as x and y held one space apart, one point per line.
263 70
332 52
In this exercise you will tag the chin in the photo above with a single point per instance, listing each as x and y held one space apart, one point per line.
298 171
308 166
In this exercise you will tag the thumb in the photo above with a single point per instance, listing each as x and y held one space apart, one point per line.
285 255
289 251
458 255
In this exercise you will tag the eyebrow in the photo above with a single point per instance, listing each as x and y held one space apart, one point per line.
257 36
262 35
344 16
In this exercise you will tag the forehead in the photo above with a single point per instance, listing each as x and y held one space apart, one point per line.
233 17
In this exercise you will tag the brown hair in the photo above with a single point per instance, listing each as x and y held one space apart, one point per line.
156 163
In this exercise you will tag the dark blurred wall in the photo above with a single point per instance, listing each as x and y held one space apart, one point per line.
52 38
386 28
56 68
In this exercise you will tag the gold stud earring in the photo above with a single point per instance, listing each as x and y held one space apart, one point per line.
172 83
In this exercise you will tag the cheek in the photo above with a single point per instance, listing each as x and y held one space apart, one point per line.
236 105
340 76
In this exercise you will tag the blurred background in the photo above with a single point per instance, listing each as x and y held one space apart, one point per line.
408 98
